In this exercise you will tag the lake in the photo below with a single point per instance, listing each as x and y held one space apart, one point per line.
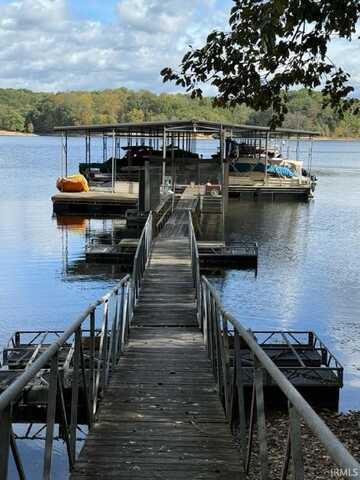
309 264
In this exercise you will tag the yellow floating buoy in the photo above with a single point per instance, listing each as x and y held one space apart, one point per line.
73 183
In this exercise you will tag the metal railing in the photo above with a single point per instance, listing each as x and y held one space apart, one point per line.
195 264
86 353
224 337
142 256
163 212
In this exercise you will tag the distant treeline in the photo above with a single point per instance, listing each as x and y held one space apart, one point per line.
26 111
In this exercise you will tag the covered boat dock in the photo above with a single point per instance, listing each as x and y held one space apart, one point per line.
217 159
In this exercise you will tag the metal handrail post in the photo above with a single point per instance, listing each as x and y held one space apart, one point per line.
330 442
56 401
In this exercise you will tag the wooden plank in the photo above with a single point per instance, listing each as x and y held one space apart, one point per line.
161 416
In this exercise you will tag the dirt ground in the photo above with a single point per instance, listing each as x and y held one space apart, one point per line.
317 463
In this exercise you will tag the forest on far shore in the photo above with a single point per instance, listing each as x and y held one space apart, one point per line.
34 112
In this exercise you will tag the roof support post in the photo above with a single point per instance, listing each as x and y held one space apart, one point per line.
259 153
164 161
62 155
66 153
225 176
267 141
104 148
113 163
297 158
311 146
173 162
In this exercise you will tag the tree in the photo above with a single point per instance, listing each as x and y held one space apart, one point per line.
48 113
135 115
11 120
29 127
272 45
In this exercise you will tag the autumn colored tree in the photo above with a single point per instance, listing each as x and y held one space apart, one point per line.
40 112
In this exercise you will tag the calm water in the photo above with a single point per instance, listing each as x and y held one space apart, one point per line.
309 264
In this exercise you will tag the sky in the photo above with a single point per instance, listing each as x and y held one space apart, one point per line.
58 45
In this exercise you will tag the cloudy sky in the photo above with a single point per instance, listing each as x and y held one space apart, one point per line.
53 45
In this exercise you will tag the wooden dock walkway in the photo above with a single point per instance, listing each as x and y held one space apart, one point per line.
161 417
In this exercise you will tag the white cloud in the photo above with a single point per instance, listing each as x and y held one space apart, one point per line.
43 48
27 15
153 16
346 55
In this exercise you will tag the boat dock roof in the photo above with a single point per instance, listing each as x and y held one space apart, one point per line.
183 126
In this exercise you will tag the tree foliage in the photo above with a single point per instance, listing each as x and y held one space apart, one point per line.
11 120
40 112
271 47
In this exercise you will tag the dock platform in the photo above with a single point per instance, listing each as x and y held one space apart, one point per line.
304 360
212 254
93 202
273 192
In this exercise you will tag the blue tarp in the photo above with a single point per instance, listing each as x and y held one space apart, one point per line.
260 167
281 171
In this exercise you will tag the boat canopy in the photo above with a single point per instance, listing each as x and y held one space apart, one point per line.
157 129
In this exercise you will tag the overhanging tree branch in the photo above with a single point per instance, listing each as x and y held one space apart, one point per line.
272 46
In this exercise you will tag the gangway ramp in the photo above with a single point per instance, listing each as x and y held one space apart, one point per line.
161 416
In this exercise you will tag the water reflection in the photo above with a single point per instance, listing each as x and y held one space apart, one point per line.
308 277
99 231
308 274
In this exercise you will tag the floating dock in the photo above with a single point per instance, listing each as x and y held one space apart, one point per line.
95 203
301 356
245 186
211 254
304 360
297 192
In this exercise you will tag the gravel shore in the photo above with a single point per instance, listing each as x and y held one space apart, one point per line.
318 465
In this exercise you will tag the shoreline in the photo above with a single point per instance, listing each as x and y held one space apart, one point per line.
7 133
319 466
337 139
